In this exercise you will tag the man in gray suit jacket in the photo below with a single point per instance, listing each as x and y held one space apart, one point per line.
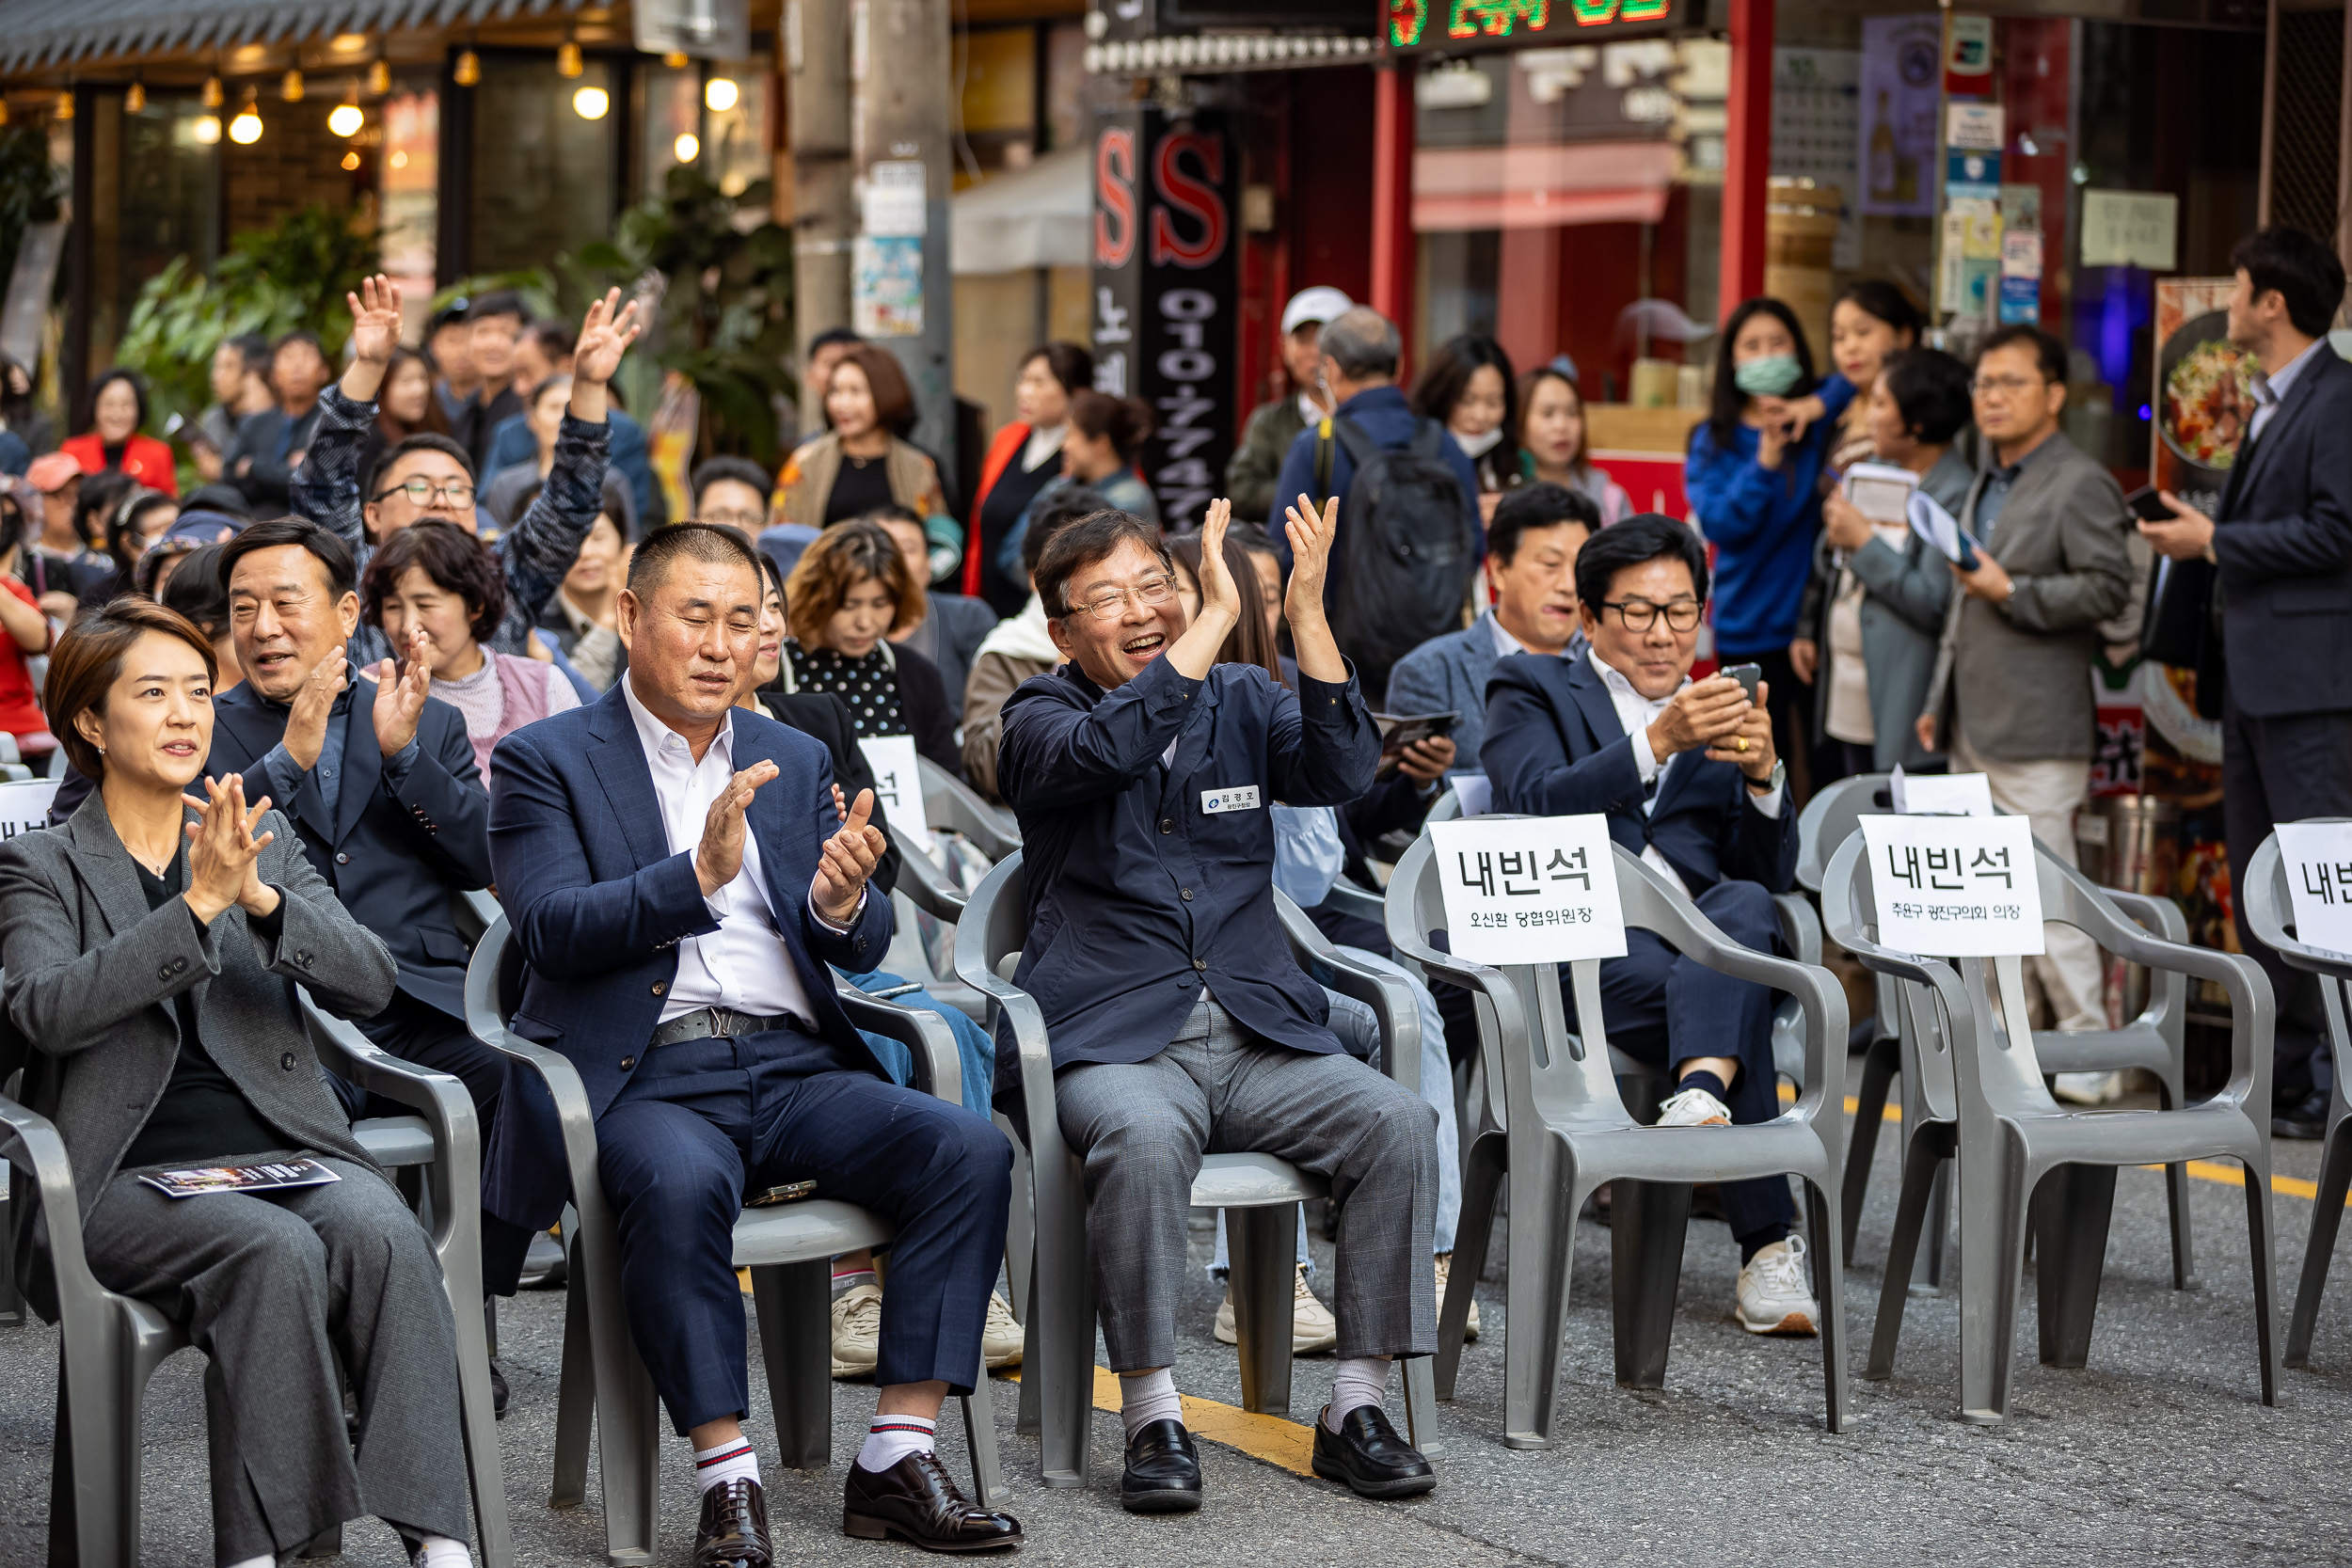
1531 564
2012 676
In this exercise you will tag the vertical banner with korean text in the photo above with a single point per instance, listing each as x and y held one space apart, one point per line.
1165 306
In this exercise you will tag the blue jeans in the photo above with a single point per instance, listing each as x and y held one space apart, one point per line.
1358 1029
974 1049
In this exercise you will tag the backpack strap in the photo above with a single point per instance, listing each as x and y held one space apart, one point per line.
1362 449
1428 438
1323 459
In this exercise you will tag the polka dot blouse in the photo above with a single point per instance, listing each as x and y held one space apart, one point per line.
870 685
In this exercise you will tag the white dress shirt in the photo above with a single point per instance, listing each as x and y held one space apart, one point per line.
743 965
1636 714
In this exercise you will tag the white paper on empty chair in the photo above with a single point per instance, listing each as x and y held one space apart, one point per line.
1959 887
1530 890
898 782
1474 792
24 806
1939 794
2319 881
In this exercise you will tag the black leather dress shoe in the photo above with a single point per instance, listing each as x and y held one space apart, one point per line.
1163 1473
733 1530
1369 1458
497 1392
916 1500
2304 1120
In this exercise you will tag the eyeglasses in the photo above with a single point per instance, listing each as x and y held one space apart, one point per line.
750 522
1150 592
1640 614
421 491
2009 384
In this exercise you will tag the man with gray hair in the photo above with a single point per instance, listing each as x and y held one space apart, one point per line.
1371 429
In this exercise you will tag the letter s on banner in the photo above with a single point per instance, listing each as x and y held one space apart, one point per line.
1115 196
1202 203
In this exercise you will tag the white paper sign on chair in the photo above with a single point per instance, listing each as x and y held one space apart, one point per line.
24 806
1959 887
2319 881
1528 890
897 783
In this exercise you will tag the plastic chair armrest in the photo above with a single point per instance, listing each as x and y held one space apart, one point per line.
1800 926
923 881
938 1069
1389 996
33 1145
1346 898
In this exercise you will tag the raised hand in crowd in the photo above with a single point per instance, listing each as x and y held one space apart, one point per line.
401 692
374 332
306 716
1310 533
718 857
605 334
845 860
1194 654
224 853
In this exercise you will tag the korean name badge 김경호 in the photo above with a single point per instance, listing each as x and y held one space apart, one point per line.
1529 889
1959 887
2318 857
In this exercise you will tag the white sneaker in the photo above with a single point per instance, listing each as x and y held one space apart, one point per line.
857 1331
1444 1261
1692 1108
1001 1337
2087 1088
1313 1328
1774 1297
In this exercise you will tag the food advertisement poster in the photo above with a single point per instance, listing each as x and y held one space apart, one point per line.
2203 395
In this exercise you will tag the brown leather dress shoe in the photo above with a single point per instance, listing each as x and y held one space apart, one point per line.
916 1500
733 1530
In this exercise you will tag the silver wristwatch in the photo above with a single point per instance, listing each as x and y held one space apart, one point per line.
1778 776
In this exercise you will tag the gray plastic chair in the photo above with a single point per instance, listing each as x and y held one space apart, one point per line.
2270 911
1565 1129
111 1345
788 1249
2025 1158
1260 1191
949 802
2157 1039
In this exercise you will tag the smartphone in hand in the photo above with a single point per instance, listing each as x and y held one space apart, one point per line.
2148 506
1747 675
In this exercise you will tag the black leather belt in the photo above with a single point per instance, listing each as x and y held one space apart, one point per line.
719 1022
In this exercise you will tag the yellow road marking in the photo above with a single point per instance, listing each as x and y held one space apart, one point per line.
1286 1444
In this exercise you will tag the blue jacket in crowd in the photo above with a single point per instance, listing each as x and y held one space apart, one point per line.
512 442
1761 522
1382 413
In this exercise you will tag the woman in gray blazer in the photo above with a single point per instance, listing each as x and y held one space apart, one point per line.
1875 606
152 945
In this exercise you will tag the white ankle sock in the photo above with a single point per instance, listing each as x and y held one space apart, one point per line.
853 1279
1359 1380
439 1551
256 1562
891 1438
1149 1397
727 1461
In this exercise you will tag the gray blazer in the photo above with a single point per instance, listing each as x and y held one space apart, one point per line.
1906 593
2017 675
1448 674
91 974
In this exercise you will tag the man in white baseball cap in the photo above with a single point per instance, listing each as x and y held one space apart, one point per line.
1273 426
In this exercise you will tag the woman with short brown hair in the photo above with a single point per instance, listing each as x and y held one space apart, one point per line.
848 592
865 460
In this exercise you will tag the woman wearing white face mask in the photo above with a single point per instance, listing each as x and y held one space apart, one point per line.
1468 388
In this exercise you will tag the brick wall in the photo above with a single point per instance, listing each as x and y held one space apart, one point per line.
297 162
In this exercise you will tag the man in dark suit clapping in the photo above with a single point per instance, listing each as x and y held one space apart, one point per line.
1686 774
2281 551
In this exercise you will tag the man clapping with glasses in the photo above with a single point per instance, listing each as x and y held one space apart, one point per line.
425 475
1142 772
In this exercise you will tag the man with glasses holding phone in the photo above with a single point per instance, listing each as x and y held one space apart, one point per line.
2010 692
1687 775
432 476
1142 772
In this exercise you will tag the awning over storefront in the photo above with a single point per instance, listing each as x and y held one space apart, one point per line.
1039 216
1542 186
57 32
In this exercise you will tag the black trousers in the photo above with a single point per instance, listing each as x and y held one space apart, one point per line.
2277 770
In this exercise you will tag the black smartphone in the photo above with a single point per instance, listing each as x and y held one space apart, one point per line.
1398 732
2145 504
1747 675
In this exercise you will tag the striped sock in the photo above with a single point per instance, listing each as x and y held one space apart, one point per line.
727 1461
891 1438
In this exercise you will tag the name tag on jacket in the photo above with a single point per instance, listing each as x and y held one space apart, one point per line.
1231 798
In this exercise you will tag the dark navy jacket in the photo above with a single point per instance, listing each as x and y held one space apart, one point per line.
1390 421
598 901
1554 748
1136 895
395 850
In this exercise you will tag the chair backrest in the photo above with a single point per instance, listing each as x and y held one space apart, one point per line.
1830 817
925 885
949 802
2269 905
1445 808
995 919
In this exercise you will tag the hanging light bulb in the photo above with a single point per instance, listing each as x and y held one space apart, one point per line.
351 159
568 58
134 97
719 94
590 103
675 60
380 77
206 130
247 128
290 87
65 104
4 109
467 71
688 146
211 97
346 117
